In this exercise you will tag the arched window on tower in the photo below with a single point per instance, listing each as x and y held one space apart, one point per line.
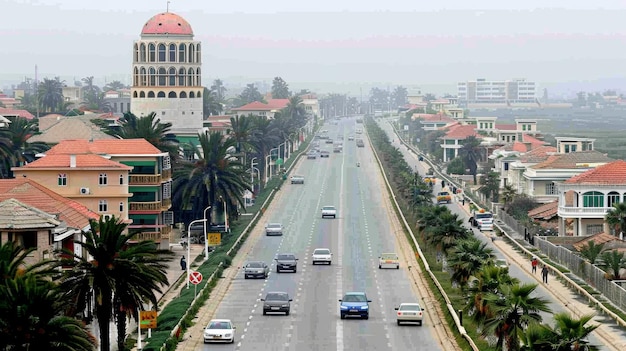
142 94
152 77
172 80
199 94
172 95
162 77
142 52
181 77
142 74
198 77
172 52
161 52
182 51
134 94
183 95
191 53
136 53
161 94
191 95
135 76
190 77
151 52
151 94
198 55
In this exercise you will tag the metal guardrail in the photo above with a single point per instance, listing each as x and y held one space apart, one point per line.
451 308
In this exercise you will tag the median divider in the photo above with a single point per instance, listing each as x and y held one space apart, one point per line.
449 305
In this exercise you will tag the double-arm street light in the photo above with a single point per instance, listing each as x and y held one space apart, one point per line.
268 164
206 241
189 247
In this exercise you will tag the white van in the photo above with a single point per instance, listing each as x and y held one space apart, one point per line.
483 221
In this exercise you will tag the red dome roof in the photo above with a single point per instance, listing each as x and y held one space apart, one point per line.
167 23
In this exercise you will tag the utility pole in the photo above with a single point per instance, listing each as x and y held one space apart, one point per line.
36 92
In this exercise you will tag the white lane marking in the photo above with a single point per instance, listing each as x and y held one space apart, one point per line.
339 276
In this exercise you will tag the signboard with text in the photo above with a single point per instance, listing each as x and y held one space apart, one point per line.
214 239
148 319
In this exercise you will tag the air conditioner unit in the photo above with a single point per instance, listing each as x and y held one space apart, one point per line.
84 191
106 217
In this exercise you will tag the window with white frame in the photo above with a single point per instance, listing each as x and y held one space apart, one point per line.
167 164
550 189
594 229
62 179
102 179
103 206
593 199
612 198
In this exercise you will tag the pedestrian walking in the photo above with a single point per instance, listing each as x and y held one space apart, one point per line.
183 263
544 274
443 184
534 262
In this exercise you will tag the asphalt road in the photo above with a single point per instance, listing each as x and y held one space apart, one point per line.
514 270
356 238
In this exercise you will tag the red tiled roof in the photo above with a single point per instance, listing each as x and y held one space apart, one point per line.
613 173
538 154
83 161
461 132
506 127
104 146
439 117
545 211
598 239
574 160
8 112
272 104
28 191
533 141
167 23
519 147
278 103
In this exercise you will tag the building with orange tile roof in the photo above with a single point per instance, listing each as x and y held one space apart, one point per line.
452 141
594 194
258 108
149 181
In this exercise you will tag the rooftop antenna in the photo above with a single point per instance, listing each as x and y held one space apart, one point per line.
168 7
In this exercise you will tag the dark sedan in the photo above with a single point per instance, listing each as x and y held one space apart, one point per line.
286 262
278 302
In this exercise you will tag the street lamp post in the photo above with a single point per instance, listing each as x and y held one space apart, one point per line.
277 153
267 168
189 247
225 214
206 242
252 172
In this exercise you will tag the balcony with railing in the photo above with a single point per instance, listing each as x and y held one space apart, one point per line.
156 235
144 179
166 204
146 206
583 212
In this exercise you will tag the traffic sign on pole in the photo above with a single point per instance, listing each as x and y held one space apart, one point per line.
195 277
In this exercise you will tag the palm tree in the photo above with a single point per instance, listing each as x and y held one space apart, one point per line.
447 232
537 337
264 137
470 154
616 217
508 194
466 258
513 310
96 102
21 130
613 261
571 334
296 111
150 128
215 174
31 306
591 251
6 153
220 90
489 279
211 106
114 85
116 272
50 93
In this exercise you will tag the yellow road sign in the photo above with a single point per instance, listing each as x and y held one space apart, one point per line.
214 239
148 319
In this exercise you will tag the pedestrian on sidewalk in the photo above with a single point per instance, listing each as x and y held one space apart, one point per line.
183 263
534 262
443 184
544 274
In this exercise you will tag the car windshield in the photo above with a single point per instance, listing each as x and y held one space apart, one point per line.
483 215
219 325
321 252
444 193
412 307
255 265
389 256
354 298
286 257
273 225
328 208
277 297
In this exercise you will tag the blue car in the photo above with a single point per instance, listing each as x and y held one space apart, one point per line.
354 304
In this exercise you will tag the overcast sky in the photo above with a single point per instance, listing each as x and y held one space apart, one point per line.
341 41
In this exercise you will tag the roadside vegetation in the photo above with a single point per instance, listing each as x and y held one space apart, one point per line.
501 313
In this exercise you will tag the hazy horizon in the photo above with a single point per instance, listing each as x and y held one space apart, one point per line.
340 43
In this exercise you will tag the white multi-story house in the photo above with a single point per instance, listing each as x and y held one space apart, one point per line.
257 108
482 91
594 193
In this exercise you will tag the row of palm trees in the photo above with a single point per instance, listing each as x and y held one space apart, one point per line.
15 149
39 303
506 311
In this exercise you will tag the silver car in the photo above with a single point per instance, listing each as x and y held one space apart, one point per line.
273 229
297 179
256 269
329 211
322 256
279 302
409 312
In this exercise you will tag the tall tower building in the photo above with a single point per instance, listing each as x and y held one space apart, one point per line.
167 74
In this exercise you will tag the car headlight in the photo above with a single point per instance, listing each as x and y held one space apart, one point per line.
228 335
364 307
285 305
344 307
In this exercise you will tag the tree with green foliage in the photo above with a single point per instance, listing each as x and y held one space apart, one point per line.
456 166
470 153
616 218
467 258
115 86
508 195
488 280
115 273
613 261
21 151
211 105
399 96
249 94
490 185
280 89
50 94
591 251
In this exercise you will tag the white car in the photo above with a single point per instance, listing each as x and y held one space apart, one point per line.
297 179
322 256
388 260
501 263
219 330
329 211
273 229
409 312
351 137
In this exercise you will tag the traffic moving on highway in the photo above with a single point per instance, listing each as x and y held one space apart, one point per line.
346 300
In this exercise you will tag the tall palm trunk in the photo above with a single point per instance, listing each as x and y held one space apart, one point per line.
120 319
103 314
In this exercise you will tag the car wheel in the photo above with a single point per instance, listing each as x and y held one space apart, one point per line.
295 270
329 263
313 263
367 316
334 217
420 323
264 312
232 341
277 270
380 267
245 277
343 316
398 267
287 313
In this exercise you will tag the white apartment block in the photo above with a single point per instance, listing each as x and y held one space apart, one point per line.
484 91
